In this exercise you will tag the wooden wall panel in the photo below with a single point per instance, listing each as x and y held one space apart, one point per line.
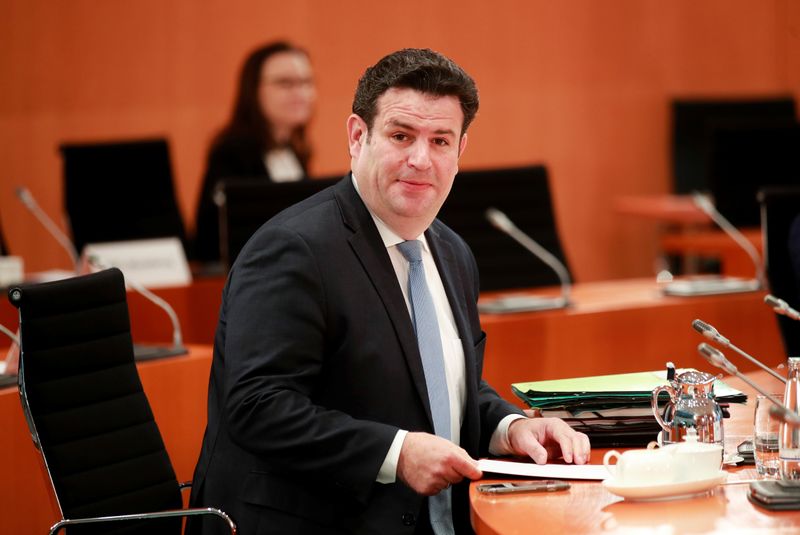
583 86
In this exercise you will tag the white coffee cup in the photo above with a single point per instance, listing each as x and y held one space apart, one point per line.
640 467
674 463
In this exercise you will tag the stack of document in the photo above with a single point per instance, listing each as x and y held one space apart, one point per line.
613 410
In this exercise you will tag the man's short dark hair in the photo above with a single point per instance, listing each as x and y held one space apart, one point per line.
420 69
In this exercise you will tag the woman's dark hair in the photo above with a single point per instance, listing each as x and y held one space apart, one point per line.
248 122
422 70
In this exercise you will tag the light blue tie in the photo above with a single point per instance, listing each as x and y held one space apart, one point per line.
430 348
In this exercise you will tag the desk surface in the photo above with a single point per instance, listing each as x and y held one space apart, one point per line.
619 327
588 508
612 327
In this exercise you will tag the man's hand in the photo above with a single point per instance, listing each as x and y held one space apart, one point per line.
429 464
543 438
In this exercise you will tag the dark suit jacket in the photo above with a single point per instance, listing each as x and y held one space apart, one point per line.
315 369
229 158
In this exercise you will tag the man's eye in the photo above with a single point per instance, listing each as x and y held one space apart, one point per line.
441 142
399 136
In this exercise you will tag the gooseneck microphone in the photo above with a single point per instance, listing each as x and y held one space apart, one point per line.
716 358
781 307
713 334
702 202
500 221
177 334
26 198
6 331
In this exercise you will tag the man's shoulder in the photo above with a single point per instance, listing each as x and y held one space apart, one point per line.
317 215
442 232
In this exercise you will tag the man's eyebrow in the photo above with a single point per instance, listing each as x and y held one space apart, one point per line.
401 124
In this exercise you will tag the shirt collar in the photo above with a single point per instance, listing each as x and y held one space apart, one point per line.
389 237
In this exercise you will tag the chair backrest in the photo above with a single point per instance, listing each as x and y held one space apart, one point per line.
780 208
523 194
694 121
245 205
120 190
84 403
746 159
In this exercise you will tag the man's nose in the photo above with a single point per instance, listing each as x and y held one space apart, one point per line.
420 156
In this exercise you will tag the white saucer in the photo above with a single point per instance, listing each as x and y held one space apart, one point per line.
664 490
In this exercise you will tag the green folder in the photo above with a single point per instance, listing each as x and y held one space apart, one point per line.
607 391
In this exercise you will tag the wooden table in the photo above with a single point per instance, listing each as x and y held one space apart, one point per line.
689 233
619 327
588 508
612 327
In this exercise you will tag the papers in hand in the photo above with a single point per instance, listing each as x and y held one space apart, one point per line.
552 471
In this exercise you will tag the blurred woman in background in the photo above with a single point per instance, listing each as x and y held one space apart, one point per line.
265 138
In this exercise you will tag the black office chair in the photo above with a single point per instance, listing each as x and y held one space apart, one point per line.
120 190
780 208
87 412
244 205
523 194
694 121
746 159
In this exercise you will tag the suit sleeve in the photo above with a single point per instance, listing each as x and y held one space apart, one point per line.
275 351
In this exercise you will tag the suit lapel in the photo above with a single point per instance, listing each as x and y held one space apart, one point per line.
371 252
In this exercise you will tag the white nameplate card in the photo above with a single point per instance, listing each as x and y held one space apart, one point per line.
155 263
12 270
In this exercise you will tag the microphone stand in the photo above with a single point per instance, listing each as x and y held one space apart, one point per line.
779 306
716 358
26 198
520 303
713 334
720 285
141 352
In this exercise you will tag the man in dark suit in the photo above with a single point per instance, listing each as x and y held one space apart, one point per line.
325 414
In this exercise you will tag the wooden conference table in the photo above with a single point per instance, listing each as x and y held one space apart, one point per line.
613 327
588 508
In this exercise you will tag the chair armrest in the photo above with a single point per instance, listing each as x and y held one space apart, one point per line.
147 516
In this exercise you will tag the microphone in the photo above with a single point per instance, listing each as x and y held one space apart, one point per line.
781 307
26 198
6 331
713 334
716 358
142 352
500 221
9 366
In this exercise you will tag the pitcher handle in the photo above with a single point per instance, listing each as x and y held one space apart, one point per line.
666 426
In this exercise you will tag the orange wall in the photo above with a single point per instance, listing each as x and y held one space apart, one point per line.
582 85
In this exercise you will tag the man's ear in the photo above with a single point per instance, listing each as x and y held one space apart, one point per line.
462 145
356 134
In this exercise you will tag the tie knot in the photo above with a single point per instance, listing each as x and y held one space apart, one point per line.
411 249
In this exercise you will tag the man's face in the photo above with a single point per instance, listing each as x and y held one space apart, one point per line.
406 164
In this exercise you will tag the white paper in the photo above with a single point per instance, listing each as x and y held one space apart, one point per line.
554 471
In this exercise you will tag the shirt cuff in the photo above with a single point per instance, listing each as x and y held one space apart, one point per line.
499 443
388 472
